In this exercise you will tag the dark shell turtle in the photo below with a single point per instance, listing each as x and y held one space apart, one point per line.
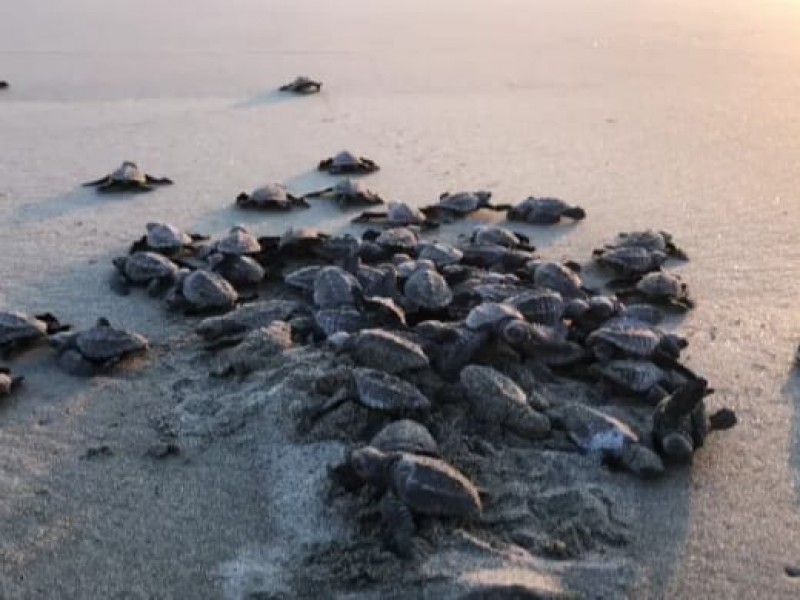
372 389
460 204
450 346
238 241
150 269
415 484
348 192
398 214
649 239
303 278
96 349
498 401
632 339
232 327
302 85
9 382
500 236
407 268
347 163
556 276
201 291
639 377
257 350
335 287
543 305
346 319
238 270
544 343
380 280
128 177
660 287
395 239
439 253
630 261
272 196
493 256
646 313
491 316
298 242
19 330
384 350
425 288
405 435
544 211
595 432
680 424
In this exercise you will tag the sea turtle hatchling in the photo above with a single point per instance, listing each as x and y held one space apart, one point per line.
415 484
460 204
680 424
230 328
384 350
659 287
405 435
19 330
631 339
544 211
257 350
348 193
335 287
238 270
97 349
238 241
302 85
426 289
272 196
649 239
398 214
372 388
495 234
347 163
9 382
630 261
150 269
594 432
563 278
128 177
166 239
638 377
491 316
197 292
500 402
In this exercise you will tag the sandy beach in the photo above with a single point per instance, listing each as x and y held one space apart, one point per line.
680 116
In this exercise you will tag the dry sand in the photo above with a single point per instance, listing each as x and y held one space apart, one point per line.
680 115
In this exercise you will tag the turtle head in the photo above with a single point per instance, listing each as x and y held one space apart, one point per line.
575 212
242 199
371 465
671 345
238 228
516 332
103 322
483 197
119 262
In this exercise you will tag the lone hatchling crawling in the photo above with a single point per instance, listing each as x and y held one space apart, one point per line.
128 177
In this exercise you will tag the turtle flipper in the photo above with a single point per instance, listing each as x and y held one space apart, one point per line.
724 418
75 364
158 180
97 182
400 524
315 414
367 216
319 193
639 460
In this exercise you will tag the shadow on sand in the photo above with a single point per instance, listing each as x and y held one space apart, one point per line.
75 201
265 99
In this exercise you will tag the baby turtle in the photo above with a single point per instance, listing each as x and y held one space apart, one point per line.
371 388
543 305
272 196
238 270
128 177
460 204
631 339
491 316
425 288
660 287
230 328
405 435
398 214
638 377
347 193
96 349
256 351
347 163
439 253
166 239
595 432
544 211
415 484
495 234
649 240
19 330
301 242
494 256
344 319
384 350
9 382
238 241
544 343
498 401
155 271
680 424
302 85
630 261
563 278
198 292
335 287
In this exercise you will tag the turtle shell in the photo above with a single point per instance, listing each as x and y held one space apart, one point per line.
240 270
207 290
543 211
102 343
142 267
400 213
464 202
647 239
19 327
661 285
249 316
407 268
238 241
334 287
638 376
380 349
378 281
544 306
428 289
490 316
592 430
271 194
494 234
439 253
431 486
344 318
632 341
631 259
163 237
645 313
405 435
380 390
398 239
303 278
129 171
351 192
497 399
557 277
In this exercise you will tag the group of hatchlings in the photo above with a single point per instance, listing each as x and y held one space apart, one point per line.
423 322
